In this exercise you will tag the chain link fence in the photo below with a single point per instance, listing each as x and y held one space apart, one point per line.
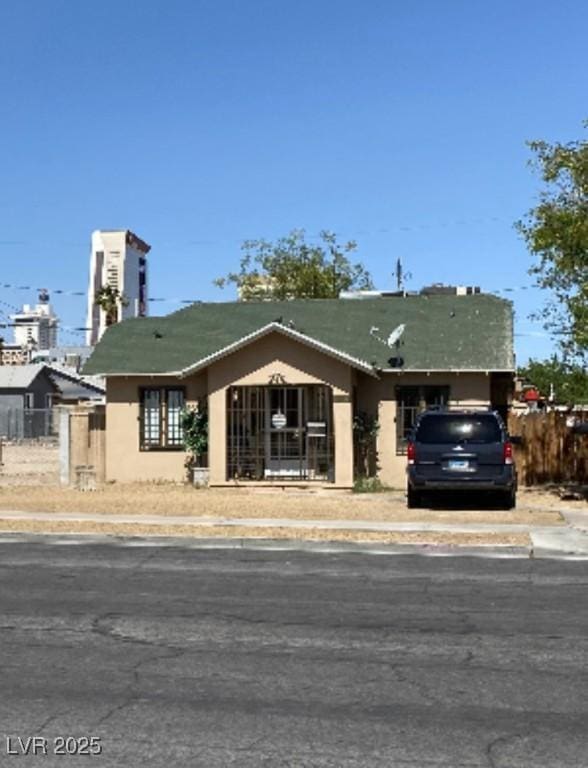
28 423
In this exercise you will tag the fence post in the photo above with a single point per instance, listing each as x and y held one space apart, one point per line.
64 445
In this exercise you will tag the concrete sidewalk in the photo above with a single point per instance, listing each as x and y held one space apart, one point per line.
274 522
568 541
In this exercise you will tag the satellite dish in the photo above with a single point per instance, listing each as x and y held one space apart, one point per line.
394 337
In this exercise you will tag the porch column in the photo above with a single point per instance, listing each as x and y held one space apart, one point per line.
343 429
217 437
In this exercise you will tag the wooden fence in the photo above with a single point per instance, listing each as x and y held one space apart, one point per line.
551 452
82 446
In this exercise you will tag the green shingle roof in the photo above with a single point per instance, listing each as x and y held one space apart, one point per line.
442 333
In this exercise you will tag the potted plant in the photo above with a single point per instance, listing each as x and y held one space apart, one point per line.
194 423
365 431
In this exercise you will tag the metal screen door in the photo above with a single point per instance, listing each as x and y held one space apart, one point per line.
279 432
285 448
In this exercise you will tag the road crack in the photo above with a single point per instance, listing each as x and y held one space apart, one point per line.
133 692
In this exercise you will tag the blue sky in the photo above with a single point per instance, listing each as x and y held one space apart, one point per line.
198 124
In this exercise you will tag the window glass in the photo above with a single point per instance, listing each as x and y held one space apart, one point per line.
160 418
151 417
175 403
459 429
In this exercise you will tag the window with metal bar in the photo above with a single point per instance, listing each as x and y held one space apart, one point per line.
160 427
410 401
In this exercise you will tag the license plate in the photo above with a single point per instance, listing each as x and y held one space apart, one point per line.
458 464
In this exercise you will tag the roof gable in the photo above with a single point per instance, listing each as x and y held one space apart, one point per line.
276 327
19 376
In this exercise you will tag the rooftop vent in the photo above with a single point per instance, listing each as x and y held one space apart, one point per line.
374 294
438 289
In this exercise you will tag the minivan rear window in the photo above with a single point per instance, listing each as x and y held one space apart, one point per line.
458 429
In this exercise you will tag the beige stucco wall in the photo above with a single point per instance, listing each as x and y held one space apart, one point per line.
294 363
124 461
255 365
378 396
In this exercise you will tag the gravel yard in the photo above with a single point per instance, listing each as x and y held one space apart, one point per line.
178 500
29 481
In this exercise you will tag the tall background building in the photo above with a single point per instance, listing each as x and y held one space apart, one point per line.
118 260
36 327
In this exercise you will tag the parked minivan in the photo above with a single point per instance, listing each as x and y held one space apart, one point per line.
456 451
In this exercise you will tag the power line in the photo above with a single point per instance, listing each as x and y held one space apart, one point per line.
179 300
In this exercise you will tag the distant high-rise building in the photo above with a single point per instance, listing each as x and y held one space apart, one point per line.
119 261
36 327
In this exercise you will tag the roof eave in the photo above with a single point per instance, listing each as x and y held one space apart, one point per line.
448 370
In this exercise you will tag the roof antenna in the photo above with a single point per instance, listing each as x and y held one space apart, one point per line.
401 276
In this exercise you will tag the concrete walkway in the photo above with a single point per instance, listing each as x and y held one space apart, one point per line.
274 522
570 540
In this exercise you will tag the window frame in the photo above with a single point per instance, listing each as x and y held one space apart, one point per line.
162 445
422 403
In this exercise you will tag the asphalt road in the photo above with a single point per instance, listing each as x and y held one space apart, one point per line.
173 656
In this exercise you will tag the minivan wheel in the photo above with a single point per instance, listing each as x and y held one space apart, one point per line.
413 499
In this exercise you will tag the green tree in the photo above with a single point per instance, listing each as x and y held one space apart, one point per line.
556 232
292 268
569 380
109 299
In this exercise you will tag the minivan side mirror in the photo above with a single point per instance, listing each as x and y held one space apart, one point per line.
516 440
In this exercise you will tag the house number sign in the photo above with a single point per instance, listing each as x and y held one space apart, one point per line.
277 378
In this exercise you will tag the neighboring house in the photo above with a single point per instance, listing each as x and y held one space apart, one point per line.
28 394
74 388
282 382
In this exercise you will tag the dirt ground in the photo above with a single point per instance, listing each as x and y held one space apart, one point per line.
29 482
160 499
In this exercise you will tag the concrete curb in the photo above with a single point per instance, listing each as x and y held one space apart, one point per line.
537 551
273 545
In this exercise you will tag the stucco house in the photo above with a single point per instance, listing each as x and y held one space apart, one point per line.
282 382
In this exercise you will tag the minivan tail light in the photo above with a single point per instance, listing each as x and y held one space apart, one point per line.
411 453
507 453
